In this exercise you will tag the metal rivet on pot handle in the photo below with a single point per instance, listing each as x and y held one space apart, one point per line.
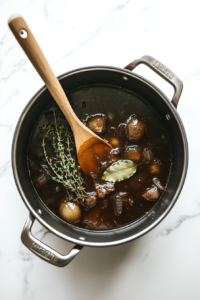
161 70
44 251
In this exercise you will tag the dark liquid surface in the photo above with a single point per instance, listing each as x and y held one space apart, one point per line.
117 105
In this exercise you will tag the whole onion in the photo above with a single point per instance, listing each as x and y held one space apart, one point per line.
70 212
136 128
159 185
96 123
152 194
133 153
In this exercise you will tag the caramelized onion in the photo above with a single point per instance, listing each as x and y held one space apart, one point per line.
157 182
96 123
136 128
133 153
152 193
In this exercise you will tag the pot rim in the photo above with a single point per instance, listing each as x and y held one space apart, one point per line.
132 237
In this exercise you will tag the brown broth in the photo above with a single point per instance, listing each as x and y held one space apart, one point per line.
119 104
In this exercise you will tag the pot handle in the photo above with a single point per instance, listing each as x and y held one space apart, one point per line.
44 251
161 70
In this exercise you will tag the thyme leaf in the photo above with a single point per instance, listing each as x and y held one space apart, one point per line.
64 170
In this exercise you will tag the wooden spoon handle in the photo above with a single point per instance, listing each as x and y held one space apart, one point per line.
27 41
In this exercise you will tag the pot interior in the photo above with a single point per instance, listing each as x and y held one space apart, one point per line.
89 78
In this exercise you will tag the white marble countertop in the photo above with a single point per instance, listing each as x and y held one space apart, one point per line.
165 263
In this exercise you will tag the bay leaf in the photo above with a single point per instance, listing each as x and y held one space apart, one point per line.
119 171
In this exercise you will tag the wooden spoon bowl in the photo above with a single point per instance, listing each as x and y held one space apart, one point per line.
90 148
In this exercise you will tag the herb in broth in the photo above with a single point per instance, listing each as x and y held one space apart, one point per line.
130 180
64 169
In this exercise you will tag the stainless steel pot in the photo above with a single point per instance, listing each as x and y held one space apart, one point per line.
81 237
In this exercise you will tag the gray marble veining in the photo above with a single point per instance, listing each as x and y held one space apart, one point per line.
4 169
178 223
74 34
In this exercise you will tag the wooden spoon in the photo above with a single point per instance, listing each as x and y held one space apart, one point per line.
89 147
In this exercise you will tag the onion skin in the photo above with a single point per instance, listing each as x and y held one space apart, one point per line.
70 212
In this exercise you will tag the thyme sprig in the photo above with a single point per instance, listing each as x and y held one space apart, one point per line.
64 169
